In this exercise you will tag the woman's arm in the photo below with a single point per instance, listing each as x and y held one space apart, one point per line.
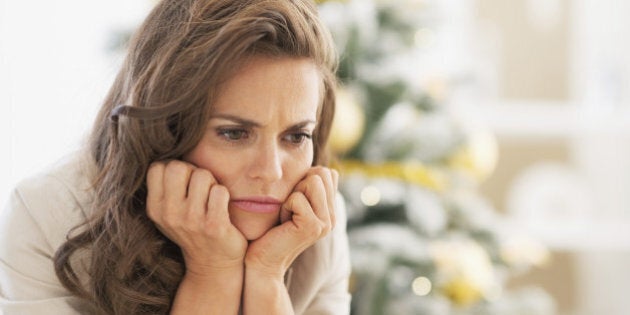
265 293
213 292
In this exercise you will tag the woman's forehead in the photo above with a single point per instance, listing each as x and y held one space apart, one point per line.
263 85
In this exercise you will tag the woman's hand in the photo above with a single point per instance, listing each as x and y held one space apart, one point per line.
191 209
307 215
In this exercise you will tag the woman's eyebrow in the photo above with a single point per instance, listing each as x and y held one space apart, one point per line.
236 119
251 123
302 124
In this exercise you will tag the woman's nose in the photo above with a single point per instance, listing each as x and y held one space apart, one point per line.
267 163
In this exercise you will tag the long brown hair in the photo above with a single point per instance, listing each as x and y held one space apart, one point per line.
167 84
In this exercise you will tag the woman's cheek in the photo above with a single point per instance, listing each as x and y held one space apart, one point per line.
300 170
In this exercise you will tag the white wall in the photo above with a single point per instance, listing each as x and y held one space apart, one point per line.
55 69
601 84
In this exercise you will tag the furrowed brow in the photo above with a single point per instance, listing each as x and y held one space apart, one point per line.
239 120
302 124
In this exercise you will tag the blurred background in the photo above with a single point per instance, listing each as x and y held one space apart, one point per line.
484 145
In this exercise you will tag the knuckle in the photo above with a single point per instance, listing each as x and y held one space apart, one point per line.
217 196
154 172
314 230
199 180
203 175
219 189
295 197
323 171
334 172
177 167
155 167
301 200
315 179
313 182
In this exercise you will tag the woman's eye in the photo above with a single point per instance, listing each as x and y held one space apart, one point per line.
297 138
233 134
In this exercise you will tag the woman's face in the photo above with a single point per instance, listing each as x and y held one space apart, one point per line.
258 139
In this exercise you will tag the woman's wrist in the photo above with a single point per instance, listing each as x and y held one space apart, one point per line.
264 291
201 270
199 291
263 273
207 274
255 267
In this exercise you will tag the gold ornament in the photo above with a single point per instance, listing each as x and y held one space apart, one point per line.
478 157
348 124
464 270
462 292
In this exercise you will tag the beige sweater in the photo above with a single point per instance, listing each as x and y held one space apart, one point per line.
44 208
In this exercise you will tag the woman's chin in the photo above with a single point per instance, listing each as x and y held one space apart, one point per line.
251 235
253 225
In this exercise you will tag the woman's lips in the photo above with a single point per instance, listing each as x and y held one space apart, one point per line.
257 204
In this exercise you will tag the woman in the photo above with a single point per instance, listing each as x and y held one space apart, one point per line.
202 190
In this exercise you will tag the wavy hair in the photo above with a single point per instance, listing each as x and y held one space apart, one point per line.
157 109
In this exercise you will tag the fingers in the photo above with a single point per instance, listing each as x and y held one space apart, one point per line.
177 191
335 179
155 189
188 206
285 211
320 187
330 177
201 182
312 204
218 204
176 178
302 214
313 188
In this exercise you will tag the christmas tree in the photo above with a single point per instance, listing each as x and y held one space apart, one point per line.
423 241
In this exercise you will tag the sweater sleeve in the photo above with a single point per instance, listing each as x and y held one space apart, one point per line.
33 225
333 296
